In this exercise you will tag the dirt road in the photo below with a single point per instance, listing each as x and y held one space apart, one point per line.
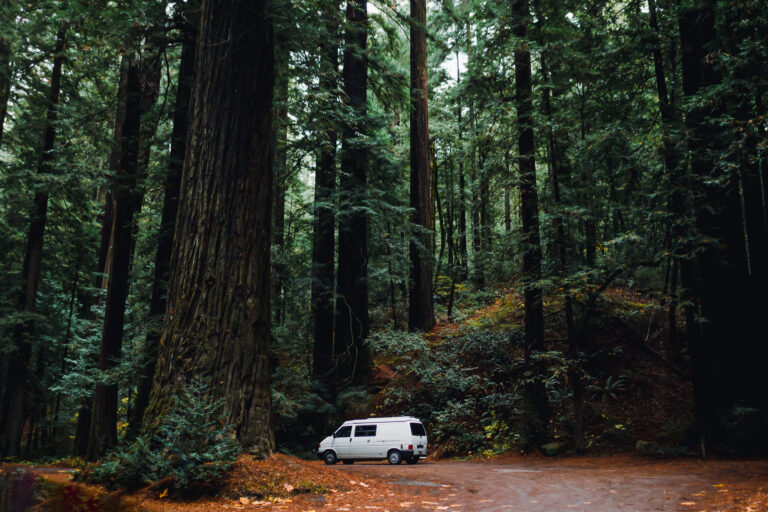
579 484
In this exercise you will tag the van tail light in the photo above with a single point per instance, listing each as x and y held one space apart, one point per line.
410 447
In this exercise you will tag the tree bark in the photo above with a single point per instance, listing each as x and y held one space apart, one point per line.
440 218
280 151
353 360
158 301
507 200
421 313
558 169
529 214
670 120
718 279
462 187
103 430
14 407
217 323
324 236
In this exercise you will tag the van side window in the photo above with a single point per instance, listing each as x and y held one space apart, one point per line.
417 429
343 431
365 431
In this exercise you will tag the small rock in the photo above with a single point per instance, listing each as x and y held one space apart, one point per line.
552 449
647 447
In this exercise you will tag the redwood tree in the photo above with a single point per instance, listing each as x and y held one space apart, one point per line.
421 313
217 323
14 407
353 360
322 244
103 430
529 214
158 301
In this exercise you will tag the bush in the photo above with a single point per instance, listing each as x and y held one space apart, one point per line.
193 445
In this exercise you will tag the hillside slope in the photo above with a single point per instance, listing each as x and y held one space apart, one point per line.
465 379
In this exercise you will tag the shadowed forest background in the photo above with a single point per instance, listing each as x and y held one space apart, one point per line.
535 223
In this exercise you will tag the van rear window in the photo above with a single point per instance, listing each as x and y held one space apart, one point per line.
417 429
365 431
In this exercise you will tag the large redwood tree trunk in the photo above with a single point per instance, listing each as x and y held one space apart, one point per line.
352 356
217 323
726 342
15 406
421 312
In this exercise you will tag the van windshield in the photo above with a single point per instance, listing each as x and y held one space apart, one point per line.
417 429
344 432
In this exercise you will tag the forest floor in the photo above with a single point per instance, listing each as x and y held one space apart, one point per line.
506 483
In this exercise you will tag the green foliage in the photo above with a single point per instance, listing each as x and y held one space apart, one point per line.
611 389
193 445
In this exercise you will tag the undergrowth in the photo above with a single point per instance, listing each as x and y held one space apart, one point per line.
467 381
192 446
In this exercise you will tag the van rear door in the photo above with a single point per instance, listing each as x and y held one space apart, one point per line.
419 436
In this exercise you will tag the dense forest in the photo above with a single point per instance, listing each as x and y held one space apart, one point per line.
251 219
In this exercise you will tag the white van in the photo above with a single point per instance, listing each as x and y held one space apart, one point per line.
394 439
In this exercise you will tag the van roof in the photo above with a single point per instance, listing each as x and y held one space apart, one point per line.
393 419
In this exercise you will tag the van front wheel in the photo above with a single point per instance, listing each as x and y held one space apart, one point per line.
348 461
395 457
329 458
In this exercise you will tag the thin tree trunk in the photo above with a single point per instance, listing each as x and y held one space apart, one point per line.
440 218
5 69
353 359
280 151
450 216
669 121
529 214
66 344
485 211
558 169
421 312
158 301
103 430
13 410
324 237
477 273
218 318
149 83
507 200
462 185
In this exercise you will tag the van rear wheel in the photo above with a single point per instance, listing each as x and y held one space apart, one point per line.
395 457
412 460
329 458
